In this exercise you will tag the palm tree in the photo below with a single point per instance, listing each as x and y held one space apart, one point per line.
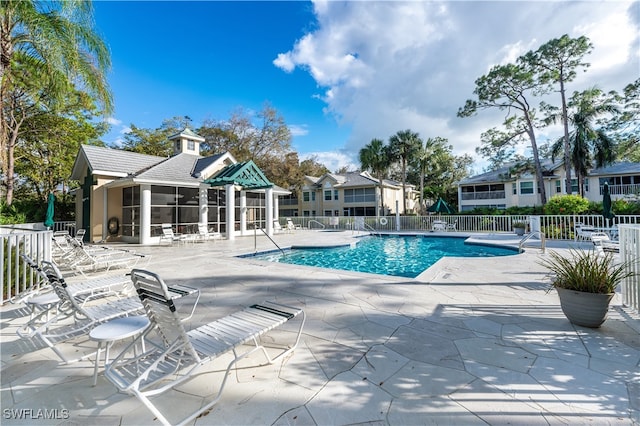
429 157
589 146
375 157
403 146
54 41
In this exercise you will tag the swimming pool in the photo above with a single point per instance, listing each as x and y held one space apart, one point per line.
402 256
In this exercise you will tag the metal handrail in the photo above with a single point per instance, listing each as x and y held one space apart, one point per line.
371 228
255 240
527 237
319 223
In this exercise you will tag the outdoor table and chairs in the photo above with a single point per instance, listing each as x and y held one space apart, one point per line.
439 225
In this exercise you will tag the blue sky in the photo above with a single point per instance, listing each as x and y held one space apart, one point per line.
343 73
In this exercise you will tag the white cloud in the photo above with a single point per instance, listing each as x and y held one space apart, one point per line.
333 160
113 121
298 129
390 66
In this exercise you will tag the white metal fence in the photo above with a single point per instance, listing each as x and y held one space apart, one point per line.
630 253
556 227
15 275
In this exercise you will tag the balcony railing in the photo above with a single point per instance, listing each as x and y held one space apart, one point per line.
627 189
484 195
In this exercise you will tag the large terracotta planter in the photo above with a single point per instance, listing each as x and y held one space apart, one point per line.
584 309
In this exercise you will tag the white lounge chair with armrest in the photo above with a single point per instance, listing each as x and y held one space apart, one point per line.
169 235
452 226
602 242
583 232
292 226
179 355
105 260
74 316
43 297
205 235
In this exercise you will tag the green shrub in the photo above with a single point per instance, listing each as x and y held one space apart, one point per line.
567 204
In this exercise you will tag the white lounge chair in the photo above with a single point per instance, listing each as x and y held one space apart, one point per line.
582 232
602 242
170 236
43 297
73 317
277 228
453 226
204 234
292 226
179 355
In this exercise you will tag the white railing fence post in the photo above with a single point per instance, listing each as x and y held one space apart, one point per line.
630 253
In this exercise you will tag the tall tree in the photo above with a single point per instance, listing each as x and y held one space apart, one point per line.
589 146
248 137
312 167
375 157
625 125
557 62
428 157
50 143
50 39
507 87
403 146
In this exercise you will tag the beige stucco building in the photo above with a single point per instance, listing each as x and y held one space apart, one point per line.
126 196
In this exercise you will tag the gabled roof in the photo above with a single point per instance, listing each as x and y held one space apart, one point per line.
179 168
352 179
245 174
617 169
503 174
111 162
187 133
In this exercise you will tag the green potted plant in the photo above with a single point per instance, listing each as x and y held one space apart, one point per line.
585 281
519 227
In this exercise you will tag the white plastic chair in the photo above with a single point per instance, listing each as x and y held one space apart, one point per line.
292 226
452 226
169 235
179 355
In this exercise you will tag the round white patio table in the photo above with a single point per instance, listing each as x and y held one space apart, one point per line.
113 331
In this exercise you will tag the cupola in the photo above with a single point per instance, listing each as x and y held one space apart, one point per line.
186 142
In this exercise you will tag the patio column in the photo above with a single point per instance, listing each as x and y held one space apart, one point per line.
203 202
145 214
276 207
231 211
243 212
268 197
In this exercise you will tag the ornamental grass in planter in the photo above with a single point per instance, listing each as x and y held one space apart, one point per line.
586 282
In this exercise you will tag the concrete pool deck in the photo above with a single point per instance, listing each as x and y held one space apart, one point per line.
470 341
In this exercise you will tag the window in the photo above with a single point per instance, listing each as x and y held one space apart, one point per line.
526 187
131 211
514 188
327 195
360 195
558 186
191 145
574 186
335 195
305 196
327 212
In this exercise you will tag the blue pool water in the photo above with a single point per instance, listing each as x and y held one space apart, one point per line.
403 256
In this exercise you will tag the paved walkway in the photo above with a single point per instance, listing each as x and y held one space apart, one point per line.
470 341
